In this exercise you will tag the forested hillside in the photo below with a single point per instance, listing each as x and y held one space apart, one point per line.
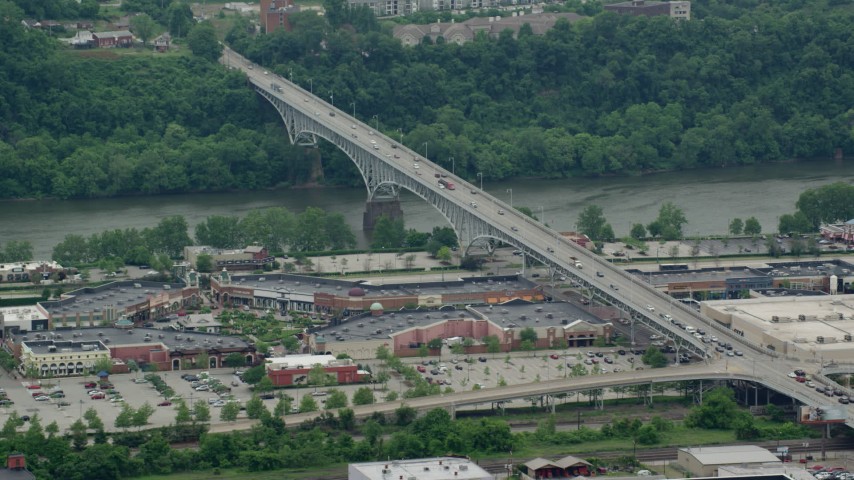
743 82
746 82
100 123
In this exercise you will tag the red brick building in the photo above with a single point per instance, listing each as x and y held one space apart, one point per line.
120 38
294 369
275 13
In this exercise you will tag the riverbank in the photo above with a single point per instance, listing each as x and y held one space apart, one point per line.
709 198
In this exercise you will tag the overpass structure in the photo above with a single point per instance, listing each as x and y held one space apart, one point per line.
481 220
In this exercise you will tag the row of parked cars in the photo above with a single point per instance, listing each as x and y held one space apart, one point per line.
103 391
832 473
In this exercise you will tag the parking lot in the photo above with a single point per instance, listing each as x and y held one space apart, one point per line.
452 371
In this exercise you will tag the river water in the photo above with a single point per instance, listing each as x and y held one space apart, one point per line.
710 199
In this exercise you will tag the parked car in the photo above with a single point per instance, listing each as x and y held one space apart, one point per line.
164 403
42 398
90 385
481 359
98 396
34 387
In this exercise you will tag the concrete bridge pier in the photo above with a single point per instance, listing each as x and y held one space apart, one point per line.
376 208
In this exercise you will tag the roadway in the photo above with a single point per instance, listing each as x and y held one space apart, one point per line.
531 236
535 239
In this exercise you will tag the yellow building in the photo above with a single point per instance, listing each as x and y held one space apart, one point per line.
61 357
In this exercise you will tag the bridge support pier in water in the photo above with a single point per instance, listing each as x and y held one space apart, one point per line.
376 208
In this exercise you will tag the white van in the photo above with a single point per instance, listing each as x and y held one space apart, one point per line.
690 329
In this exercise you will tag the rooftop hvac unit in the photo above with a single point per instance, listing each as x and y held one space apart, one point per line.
802 318
775 319
847 337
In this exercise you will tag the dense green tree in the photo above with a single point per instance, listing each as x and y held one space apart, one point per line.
528 334
638 231
169 236
143 27
205 264
591 222
794 223
254 407
669 223
254 375
654 358
719 410
307 404
363 396
229 411
220 231
827 204
201 412
336 399
179 18
388 233
752 227
736 226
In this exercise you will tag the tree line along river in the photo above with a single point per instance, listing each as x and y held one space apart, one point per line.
710 198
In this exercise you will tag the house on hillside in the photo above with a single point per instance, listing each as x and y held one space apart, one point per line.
118 38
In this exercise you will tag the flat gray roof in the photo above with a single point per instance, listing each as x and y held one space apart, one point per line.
112 337
44 346
521 315
118 295
311 285
507 316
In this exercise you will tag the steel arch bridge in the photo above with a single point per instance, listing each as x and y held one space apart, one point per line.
479 219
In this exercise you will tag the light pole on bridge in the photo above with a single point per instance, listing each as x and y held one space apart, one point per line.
376 122
510 191
480 174
332 98
291 74
354 109
542 215
425 150
400 131
453 165
311 86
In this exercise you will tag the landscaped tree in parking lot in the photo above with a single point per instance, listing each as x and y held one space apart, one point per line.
264 385
254 406
202 412
124 419
654 358
336 399
283 406
254 374
307 404
93 421
363 396
229 411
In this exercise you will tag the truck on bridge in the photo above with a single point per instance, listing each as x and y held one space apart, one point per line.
447 184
